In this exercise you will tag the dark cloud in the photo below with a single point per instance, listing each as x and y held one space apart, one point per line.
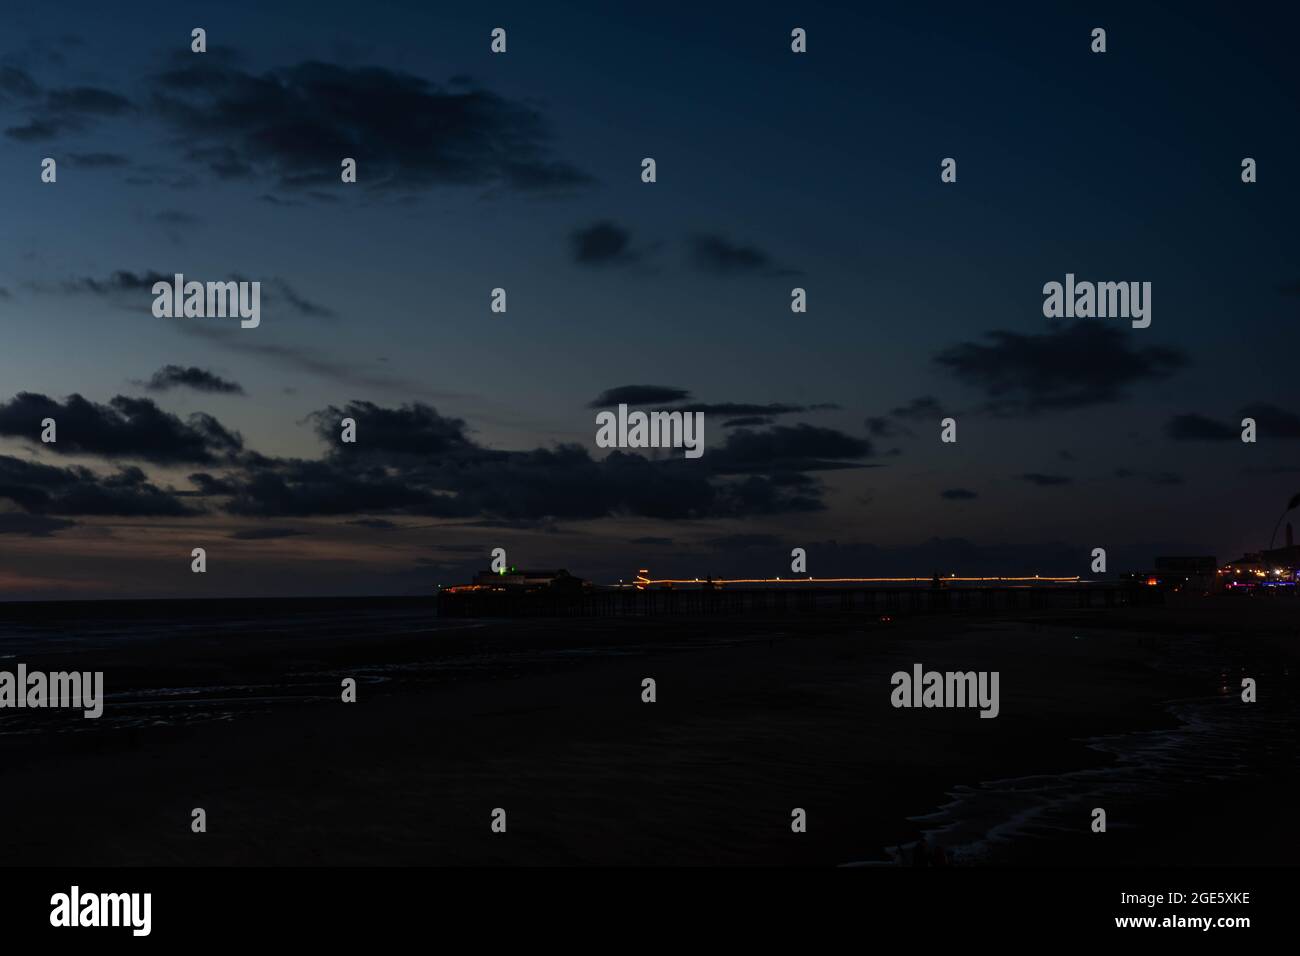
36 130
409 460
60 110
881 426
639 395
719 256
742 413
34 526
99 160
299 303
201 380
958 494
740 542
17 82
1273 421
265 534
565 482
1193 427
211 485
746 408
157 175
86 100
602 243
545 524
747 421
774 493
414 430
1155 477
274 289
378 524
297 488
651 541
124 428
923 408
304 358
182 56
222 161
50 490
123 280
404 131
458 548
1045 481
1087 363
787 448
413 460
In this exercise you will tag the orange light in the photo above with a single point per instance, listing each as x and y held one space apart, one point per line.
1073 579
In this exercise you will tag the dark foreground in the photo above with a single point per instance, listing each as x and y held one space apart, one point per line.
237 711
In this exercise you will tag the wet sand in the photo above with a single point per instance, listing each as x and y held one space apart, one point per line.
753 718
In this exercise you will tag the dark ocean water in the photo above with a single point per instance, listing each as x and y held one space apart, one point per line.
175 662
1215 740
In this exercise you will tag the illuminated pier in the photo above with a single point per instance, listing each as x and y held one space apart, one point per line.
642 581
646 596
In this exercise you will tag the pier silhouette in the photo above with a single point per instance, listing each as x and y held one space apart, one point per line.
723 598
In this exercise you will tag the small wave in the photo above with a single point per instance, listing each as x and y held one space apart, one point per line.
1213 740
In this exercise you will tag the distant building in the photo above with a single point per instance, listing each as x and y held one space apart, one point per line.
1272 568
1187 573
1194 573
513 579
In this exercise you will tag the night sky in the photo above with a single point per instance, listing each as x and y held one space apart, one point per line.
775 170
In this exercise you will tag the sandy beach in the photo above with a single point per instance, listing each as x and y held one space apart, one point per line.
753 718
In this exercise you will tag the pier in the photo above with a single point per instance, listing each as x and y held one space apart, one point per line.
790 599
